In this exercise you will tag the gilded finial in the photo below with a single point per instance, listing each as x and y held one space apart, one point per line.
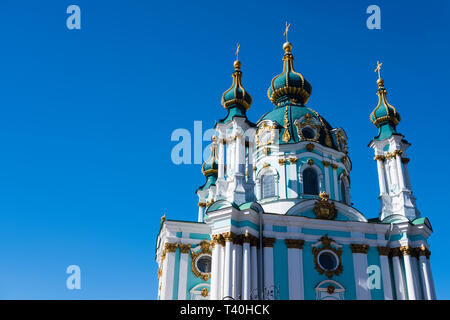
237 63
287 47
163 218
286 31
380 81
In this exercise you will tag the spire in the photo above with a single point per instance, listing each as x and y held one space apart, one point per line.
237 96
385 117
289 84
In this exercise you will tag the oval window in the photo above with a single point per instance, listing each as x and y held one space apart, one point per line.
204 264
328 261
308 133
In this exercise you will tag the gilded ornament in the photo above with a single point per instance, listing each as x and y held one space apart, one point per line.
184 248
327 244
330 289
282 161
293 160
310 147
334 166
379 157
326 164
405 160
205 292
310 161
325 209
286 135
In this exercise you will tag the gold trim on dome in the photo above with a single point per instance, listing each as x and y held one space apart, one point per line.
286 134
327 245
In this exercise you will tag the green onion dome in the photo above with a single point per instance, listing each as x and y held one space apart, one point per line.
384 112
210 167
385 117
236 96
289 84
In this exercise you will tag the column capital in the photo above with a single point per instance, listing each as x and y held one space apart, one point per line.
405 250
395 252
326 164
246 238
379 157
334 166
184 248
282 161
293 160
294 243
405 160
268 242
422 251
228 236
359 248
168 247
383 251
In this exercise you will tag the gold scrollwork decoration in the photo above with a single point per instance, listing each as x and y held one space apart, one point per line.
327 244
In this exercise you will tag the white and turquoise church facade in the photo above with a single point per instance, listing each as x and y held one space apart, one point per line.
275 217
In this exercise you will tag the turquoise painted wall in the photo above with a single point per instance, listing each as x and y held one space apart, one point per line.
176 275
373 258
280 267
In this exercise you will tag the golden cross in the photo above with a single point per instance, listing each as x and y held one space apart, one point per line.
378 68
286 31
237 51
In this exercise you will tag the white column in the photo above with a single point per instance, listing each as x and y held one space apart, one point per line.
182 278
381 177
385 272
335 182
228 271
406 252
215 268
222 270
401 178
168 271
295 269
221 160
268 263
250 162
430 278
292 178
282 183
416 278
246 281
326 169
237 269
423 266
254 268
398 275
200 211
360 270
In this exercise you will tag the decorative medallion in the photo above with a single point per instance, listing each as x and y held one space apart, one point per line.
327 257
205 292
325 209
265 134
198 255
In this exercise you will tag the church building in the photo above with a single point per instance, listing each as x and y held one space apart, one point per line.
275 217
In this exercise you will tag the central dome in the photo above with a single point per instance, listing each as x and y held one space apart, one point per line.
289 84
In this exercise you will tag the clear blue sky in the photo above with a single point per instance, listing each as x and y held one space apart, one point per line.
87 115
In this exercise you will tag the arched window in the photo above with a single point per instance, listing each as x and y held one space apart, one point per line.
343 191
310 181
267 186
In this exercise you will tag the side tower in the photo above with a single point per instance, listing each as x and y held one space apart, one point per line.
397 200
235 134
